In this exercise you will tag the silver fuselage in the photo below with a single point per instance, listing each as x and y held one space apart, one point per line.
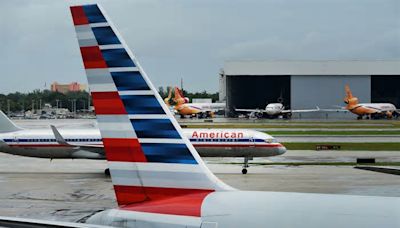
269 209
208 142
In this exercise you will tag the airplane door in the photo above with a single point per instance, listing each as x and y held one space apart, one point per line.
209 225
252 142
15 139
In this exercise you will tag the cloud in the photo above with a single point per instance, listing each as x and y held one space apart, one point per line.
192 39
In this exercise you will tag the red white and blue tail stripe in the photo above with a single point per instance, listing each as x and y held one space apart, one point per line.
154 168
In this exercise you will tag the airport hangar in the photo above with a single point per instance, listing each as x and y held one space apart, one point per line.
307 84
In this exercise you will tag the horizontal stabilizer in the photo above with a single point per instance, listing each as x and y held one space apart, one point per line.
6 125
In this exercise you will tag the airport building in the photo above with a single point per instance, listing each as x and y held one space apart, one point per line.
307 84
65 88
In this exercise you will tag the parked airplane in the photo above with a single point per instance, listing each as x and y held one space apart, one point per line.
159 178
273 110
369 110
86 143
201 110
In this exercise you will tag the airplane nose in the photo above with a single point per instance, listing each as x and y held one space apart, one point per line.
281 149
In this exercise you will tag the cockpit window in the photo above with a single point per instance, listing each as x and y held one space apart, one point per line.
271 140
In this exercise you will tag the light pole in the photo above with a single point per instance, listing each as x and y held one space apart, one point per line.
8 107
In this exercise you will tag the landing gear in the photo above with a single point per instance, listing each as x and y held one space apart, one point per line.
107 172
287 115
359 117
246 164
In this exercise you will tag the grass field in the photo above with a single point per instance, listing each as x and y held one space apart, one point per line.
346 146
323 163
388 124
334 133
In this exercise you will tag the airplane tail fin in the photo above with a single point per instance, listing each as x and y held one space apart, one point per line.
349 99
167 99
153 166
348 92
6 125
179 97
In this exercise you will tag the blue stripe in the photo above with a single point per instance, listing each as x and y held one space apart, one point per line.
141 104
117 58
105 35
93 14
226 139
168 153
129 81
154 128
52 140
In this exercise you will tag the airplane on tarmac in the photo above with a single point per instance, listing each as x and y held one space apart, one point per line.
86 143
159 178
201 110
369 110
273 110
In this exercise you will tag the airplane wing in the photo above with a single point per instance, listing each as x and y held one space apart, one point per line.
60 140
12 222
249 110
335 110
317 109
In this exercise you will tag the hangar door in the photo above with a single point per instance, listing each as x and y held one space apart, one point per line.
385 89
327 92
256 91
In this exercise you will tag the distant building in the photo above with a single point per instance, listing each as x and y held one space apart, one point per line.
64 88
307 84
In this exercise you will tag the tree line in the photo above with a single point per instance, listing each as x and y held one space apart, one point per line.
163 91
21 102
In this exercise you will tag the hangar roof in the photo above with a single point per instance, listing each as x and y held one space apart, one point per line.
350 67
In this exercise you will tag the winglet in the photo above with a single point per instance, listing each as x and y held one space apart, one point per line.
58 136
6 125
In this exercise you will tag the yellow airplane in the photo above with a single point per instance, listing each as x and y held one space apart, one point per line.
370 110
201 110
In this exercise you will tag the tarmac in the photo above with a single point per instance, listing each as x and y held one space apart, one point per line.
70 190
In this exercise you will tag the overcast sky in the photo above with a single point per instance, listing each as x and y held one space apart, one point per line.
192 39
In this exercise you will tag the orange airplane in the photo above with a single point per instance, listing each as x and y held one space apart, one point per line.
201 110
370 110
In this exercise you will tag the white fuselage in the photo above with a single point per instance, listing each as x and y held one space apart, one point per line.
209 142
273 109
379 107
268 209
209 106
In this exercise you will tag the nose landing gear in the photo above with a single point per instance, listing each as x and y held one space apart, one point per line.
246 164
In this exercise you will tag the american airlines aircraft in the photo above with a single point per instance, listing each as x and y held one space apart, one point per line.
159 178
274 110
86 143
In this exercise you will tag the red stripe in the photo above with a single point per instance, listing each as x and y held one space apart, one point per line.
237 145
172 201
124 150
92 57
107 103
78 15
